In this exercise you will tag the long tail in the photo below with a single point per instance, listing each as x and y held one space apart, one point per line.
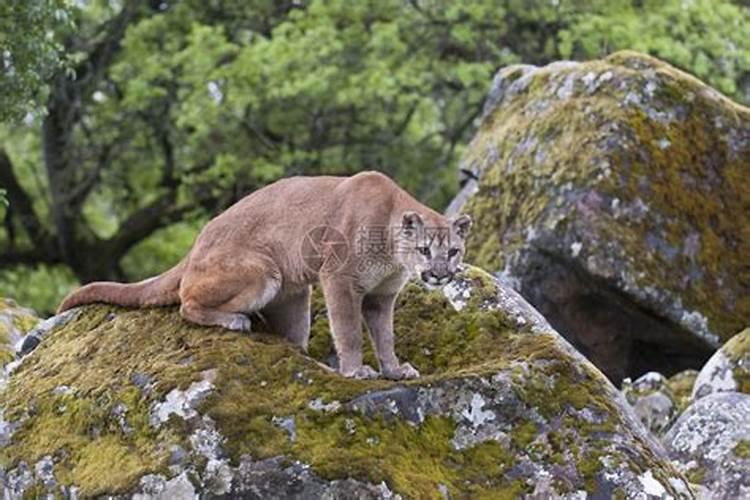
161 290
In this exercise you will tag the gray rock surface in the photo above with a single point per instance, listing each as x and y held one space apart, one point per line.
710 443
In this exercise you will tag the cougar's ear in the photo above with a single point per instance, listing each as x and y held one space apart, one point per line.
411 223
462 224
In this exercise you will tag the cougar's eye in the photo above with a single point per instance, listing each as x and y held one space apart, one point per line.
424 251
452 252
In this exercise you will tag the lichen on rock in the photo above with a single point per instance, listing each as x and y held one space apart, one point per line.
708 443
613 193
140 402
728 369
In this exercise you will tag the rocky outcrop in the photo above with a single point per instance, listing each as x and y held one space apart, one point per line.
703 419
140 403
652 400
710 443
613 195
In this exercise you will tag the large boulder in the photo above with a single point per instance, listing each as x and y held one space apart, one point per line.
727 370
613 194
138 402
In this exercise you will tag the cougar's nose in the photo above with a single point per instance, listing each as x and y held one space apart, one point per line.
445 278
438 279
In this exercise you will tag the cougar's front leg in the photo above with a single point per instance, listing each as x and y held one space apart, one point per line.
378 313
344 306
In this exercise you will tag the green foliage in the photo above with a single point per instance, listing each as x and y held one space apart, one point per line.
708 38
29 51
148 257
202 102
40 287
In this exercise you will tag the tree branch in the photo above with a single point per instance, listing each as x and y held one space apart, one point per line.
144 222
102 54
30 256
64 111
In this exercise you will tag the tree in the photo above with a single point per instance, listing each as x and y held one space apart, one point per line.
29 51
173 110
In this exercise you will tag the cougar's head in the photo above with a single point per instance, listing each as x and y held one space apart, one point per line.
432 249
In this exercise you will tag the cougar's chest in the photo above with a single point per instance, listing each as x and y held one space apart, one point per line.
387 282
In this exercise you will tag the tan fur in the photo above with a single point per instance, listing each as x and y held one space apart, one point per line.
251 258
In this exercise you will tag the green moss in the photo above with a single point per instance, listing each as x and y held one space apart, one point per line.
588 467
7 353
6 356
413 460
697 475
680 386
24 322
737 350
524 434
4 338
742 450
109 465
619 494
35 492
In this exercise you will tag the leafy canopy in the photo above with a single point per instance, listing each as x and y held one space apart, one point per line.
29 51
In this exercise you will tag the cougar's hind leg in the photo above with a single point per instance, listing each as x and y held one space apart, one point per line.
195 313
289 316
225 293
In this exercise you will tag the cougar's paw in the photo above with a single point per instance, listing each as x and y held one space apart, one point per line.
405 371
364 372
240 323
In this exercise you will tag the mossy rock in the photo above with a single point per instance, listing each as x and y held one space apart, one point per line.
652 400
15 322
614 193
727 370
710 443
118 401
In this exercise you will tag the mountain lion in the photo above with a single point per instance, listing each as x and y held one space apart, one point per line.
360 237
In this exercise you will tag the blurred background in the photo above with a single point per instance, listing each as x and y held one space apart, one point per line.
127 124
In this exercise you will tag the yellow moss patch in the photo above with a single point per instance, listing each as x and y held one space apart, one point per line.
737 350
107 465
681 387
742 449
